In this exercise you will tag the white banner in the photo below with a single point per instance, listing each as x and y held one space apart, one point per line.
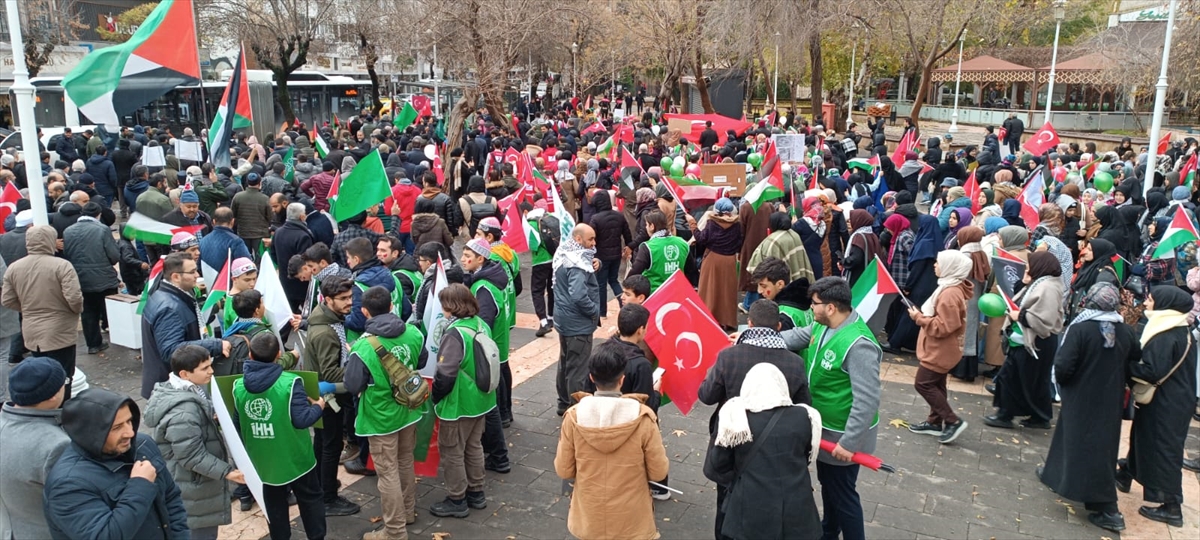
237 450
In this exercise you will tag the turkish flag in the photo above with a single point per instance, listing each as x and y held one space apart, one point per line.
1042 141
972 189
514 224
1164 143
720 123
421 104
684 337
8 202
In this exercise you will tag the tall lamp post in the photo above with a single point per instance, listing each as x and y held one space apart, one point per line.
775 92
1060 13
23 91
574 70
1160 98
850 100
957 81
437 97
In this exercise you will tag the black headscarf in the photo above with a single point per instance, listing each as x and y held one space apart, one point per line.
1102 252
1042 264
1169 297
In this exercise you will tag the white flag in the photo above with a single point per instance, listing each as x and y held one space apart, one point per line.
434 321
279 312
237 450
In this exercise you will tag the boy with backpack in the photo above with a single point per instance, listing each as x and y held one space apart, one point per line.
541 278
381 370
249 308
463 395
279 444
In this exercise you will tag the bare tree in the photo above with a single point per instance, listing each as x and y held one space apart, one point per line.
929 32
45 25
281 33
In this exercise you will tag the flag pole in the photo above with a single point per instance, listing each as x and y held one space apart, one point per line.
200 70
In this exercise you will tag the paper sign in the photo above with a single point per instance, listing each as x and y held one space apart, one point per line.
152 156
682 125
791 147
618 114
188 150
237 450
731 176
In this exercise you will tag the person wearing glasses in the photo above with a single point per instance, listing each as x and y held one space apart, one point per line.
172 319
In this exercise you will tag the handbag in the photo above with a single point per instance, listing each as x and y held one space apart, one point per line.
1143 392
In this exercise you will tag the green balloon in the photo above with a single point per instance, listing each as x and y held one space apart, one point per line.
665 163
992 305
676 170
754 159
1103 182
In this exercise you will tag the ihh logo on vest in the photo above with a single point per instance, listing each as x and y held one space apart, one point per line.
401 354
259 409
827 360
671 253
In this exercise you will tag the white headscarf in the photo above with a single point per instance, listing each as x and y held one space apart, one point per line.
954 267
763 389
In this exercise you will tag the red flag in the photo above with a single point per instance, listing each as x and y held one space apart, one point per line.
1042 141
1089 170
8 202
906 144
514 224
594 127
720 123
874 161
628 161
1001 133
516 124
972 189
420 102
684 336
438 168
1164 143
624 133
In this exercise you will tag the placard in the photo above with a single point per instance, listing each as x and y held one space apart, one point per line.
618 114
152 156
725 175
188 150
682 125
791 147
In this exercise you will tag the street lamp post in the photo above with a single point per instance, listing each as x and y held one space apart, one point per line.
1160 98
775 92
574 70
850 100
1060 13
957 81
23 91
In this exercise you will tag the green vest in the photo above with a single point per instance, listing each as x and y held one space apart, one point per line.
667 254
539 255
513 271
465 400
500 329
397 307
415 277
801 318
379 414
832 394
280 452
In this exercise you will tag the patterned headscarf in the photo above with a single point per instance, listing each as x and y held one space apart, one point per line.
1100 303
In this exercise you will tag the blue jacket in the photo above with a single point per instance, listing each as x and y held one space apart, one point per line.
133 188
90 494
218 244
371 274
168 321
66 149
102 169
944 216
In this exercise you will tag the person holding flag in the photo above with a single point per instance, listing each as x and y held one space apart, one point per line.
942 319
389 426
661 255
1023 385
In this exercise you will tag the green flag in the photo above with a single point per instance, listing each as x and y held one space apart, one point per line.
364 186
405 117
289 161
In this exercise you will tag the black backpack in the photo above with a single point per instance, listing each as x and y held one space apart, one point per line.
482 210
550 230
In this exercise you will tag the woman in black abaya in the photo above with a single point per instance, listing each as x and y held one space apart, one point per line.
1090 369
921 280
1161 426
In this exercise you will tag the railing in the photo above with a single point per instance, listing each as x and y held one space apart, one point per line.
1063 120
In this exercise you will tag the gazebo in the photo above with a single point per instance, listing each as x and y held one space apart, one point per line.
1080 84
986 71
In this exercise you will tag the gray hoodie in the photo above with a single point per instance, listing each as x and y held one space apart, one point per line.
33 441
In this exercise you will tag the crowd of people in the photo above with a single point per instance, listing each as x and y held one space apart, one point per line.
804 368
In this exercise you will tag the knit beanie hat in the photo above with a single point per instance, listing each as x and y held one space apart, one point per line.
479 246
490 224
189 196
183 240
240 266
35 380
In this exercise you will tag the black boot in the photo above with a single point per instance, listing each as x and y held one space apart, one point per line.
1114 522
1170 514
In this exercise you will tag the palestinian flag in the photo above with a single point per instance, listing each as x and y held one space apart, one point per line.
114 81
322 147
1009 270
1181 231
606 147
868 291
233 114
217 291
151 231
1119 267
1187 173
770 179
151 285
1089 170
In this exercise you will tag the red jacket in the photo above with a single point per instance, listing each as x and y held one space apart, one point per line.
405 197
317 186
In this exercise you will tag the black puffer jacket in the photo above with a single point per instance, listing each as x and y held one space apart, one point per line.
612 231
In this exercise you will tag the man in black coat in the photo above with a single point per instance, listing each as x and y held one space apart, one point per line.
708 137
759 343
1014 127
292 238
123 159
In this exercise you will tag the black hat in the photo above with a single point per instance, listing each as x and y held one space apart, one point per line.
35 380
92 209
